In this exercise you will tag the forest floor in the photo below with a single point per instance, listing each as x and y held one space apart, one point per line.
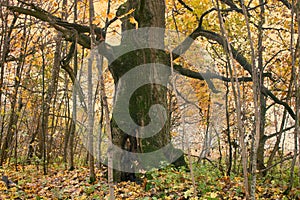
169 183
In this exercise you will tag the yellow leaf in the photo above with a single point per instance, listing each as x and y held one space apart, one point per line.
110 16
133 21
126 14
131 11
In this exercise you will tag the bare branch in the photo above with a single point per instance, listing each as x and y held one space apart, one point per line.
84 40
286 3
184 46
185 5
279 162
66 28
279 132
209 75
232 5
267 92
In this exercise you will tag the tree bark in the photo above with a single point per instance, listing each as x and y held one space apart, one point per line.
90 106
147 14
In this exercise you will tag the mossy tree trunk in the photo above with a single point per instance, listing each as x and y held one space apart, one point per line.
147 14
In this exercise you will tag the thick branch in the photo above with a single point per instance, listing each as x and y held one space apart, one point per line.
66 28
267 92
208 75
244 63
184 46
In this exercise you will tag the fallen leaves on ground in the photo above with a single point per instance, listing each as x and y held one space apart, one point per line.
159 184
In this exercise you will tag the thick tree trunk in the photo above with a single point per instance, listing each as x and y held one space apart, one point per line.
147 14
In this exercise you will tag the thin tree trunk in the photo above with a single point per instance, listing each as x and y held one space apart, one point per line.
6 34
206 143
278 139
237 100
13 118
186 141
296 86
107 128
229 163
90 97
5 43
99 142
30 151
68 121
20 106
68 128
50 93
74 101
91 119
54 125
258 98
297 55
